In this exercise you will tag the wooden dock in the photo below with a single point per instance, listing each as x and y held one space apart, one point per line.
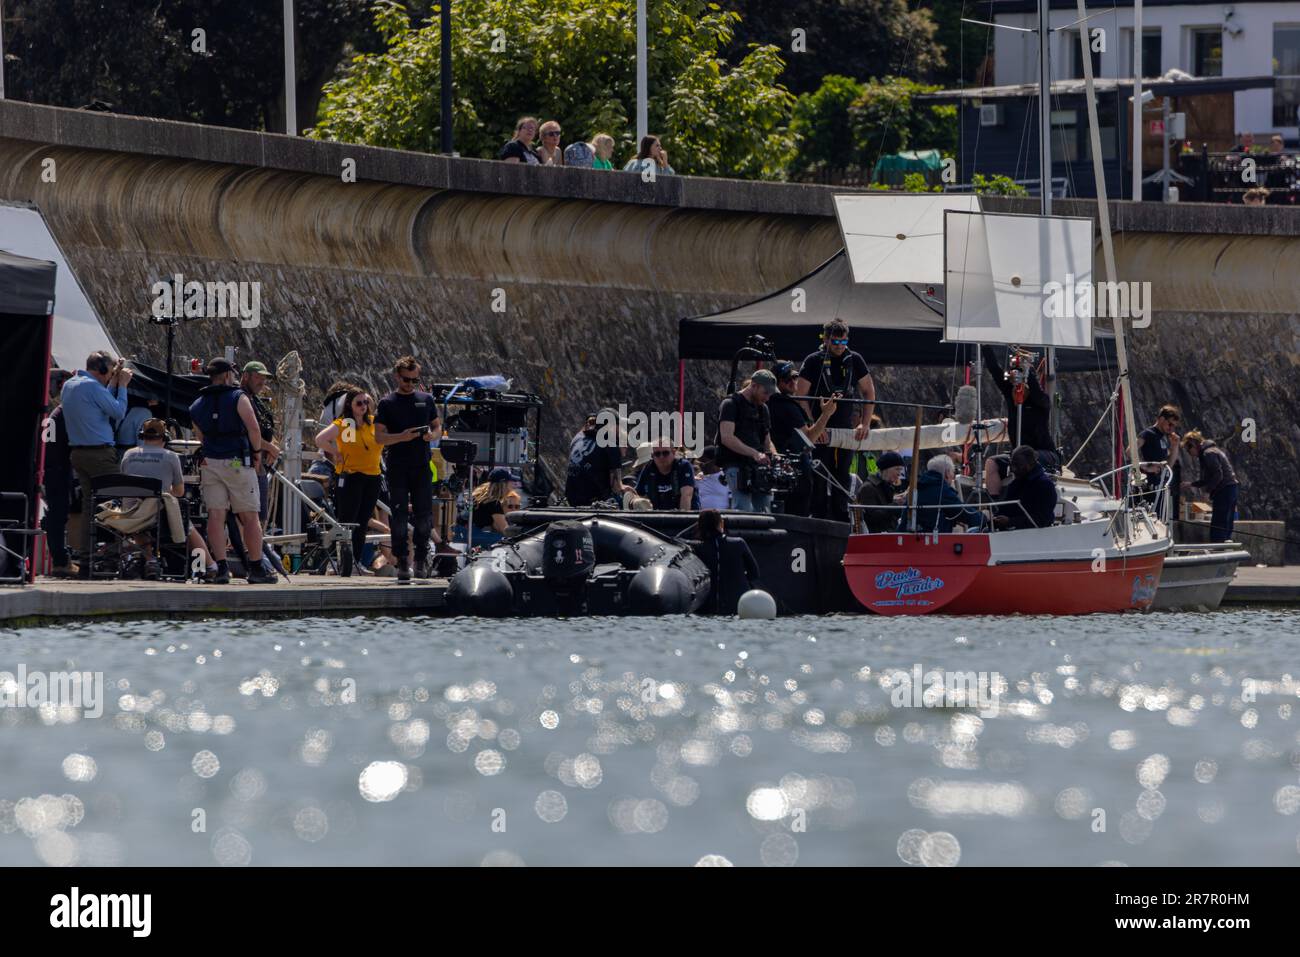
310 595
301 596
1267 586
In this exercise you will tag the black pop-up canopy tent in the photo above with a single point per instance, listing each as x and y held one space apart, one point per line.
26 325
892 323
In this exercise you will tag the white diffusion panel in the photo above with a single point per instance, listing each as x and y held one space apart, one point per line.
893 238
1022 280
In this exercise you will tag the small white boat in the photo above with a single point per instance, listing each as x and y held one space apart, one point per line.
1196 577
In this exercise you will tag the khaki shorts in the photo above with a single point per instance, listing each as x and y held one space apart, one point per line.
229 485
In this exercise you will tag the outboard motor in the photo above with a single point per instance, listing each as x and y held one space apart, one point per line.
568 562
568 553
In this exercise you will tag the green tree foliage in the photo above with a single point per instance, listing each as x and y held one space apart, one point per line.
998 185
821 122
967 48
887 118
574 61
858 38
139 56
849 125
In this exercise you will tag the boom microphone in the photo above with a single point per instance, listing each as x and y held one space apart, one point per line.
966 405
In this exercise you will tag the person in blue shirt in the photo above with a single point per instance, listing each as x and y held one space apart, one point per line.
92 401
934 488
127 434
1033 488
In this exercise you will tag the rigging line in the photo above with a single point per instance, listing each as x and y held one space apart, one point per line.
911 39
988 39
1105 417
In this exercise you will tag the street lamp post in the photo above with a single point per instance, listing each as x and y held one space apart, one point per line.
445 75
642 122
290 87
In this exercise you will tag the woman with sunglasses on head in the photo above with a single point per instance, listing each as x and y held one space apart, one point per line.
351 445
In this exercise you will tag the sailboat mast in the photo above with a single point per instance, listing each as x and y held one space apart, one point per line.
1045 166
1103 216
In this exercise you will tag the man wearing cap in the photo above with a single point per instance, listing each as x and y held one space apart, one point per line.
745 440
789 418
595 460
231 438
251 383
152 459
879 491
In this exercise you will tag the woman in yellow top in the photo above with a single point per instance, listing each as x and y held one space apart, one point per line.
351 445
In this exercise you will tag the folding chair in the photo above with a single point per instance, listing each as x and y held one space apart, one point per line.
122 521
13 531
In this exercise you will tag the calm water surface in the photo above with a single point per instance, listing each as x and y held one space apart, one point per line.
1142 740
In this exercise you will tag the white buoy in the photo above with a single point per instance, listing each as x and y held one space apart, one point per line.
756 603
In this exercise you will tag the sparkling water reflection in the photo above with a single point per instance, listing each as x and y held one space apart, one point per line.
1162 739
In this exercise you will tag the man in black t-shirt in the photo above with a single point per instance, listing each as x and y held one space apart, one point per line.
789 419
745 440
405 423
1160 445
836 370
595 461
667 481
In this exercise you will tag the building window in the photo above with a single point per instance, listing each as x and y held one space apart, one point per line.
1074 56
1286 69
1207 52
1151 52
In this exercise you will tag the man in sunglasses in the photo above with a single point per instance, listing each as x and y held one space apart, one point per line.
405 424
1160 446
836 371
667 481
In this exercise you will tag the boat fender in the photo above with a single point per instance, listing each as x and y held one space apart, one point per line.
659 590
756 603
480 591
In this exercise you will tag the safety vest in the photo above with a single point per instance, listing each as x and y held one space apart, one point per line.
216 414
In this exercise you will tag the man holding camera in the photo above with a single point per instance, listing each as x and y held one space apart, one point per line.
93 400
835 370
406 423
224 421
789 420
745 439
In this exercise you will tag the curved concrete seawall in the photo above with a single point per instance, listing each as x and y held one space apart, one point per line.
593 270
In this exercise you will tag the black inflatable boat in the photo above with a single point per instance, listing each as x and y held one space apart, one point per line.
584 565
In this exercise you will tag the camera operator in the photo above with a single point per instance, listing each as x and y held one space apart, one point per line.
92 400
789 417
745 436
667 481
832 370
